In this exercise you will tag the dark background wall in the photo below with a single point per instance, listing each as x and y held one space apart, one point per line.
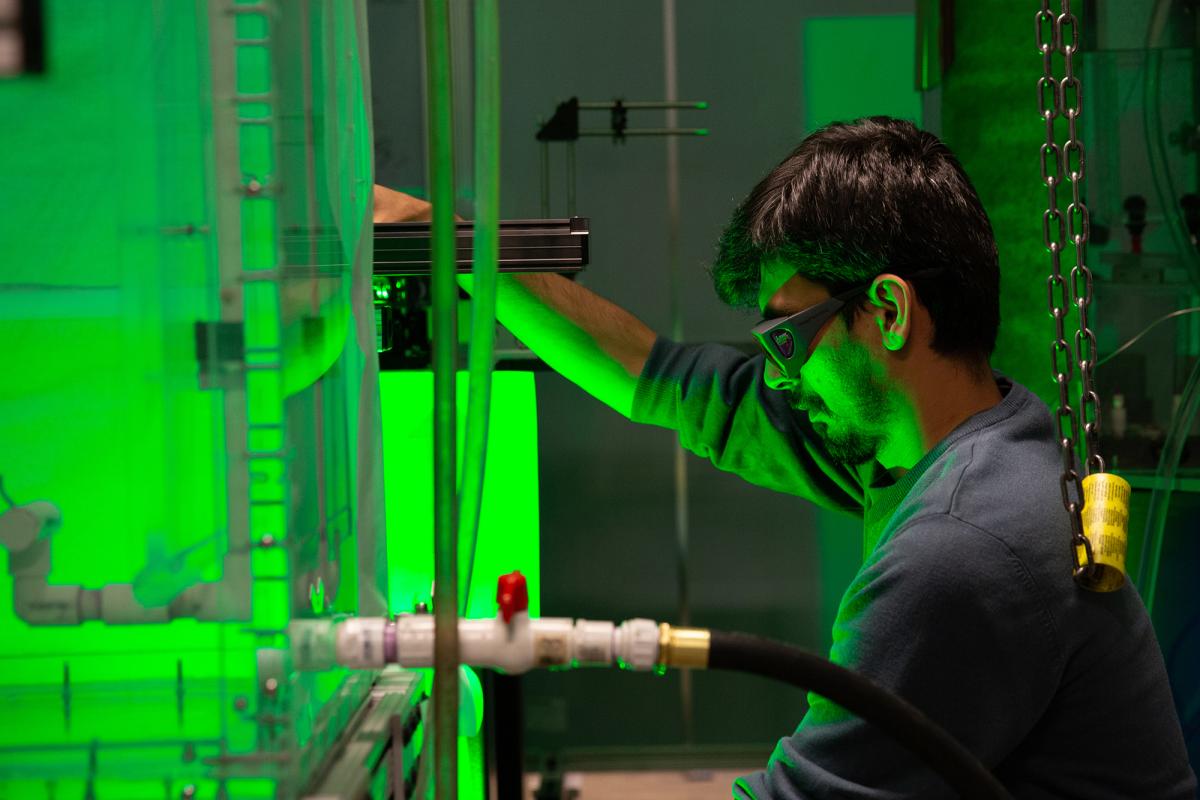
759 561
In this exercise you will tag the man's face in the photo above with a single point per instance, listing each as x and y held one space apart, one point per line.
843 386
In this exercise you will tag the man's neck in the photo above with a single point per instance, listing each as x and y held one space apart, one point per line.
936 400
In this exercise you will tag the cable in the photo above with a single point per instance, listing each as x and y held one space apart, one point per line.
1156 149
4 495
1144 331
891 714
1164 485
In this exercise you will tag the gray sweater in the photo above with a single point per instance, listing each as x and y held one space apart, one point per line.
964 604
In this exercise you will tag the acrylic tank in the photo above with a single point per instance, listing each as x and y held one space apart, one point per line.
189 413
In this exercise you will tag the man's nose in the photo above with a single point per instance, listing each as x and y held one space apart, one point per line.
775 379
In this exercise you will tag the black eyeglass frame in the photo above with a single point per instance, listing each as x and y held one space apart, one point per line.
801 328
787 340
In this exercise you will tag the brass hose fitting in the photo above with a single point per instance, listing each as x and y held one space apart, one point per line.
683 647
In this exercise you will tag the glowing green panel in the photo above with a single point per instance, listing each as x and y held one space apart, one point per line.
250 26
255 142
258 234
262 317
470 767
253 70
508 531
859 66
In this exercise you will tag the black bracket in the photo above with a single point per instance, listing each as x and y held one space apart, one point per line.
564 125
1186 138
220 352
619 117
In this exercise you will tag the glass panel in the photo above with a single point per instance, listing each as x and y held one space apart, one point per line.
185 441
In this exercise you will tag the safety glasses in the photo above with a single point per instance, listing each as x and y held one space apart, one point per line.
788 340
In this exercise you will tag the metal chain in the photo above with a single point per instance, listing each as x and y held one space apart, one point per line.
1059 33
1078 230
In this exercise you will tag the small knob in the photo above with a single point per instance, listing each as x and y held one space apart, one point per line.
512 595
1135 220
1135 209
1190 203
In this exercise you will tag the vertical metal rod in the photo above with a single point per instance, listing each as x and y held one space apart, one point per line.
483 296
310 219
682 544
445 367
545 180
570 179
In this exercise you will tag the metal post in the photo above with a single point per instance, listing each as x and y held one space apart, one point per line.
670 75
445 356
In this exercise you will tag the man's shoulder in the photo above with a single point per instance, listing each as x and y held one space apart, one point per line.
941 547
1000 475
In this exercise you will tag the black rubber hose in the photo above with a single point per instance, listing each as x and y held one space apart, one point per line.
902 721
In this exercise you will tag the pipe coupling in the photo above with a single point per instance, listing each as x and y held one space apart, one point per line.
683 647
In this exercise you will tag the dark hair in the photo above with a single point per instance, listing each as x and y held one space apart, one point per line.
857 199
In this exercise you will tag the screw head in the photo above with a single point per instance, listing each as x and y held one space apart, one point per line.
240 703
271 685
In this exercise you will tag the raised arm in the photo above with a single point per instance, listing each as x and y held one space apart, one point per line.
713 396
593 343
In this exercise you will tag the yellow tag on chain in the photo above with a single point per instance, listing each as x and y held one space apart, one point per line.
1106 527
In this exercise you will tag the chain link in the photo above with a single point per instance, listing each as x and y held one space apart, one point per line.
1063 98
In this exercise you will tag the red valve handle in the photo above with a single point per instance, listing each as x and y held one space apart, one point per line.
512 595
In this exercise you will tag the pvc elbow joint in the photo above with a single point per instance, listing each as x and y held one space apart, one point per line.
22 526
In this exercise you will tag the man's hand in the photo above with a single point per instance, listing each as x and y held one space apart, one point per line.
393 206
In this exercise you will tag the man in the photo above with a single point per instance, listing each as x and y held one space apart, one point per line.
870 254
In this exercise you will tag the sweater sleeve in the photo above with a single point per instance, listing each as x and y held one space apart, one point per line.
715 397
946 616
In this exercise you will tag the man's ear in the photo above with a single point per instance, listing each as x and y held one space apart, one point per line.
893 299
